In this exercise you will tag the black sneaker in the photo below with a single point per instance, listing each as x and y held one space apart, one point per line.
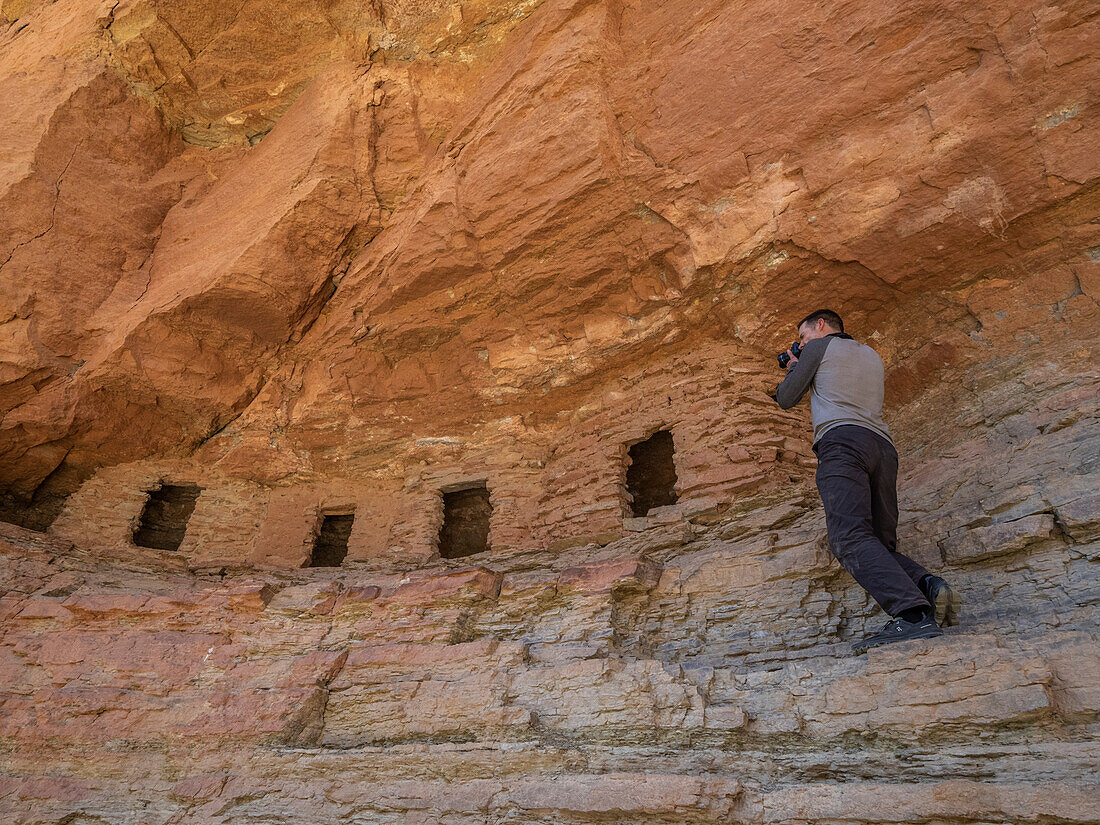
899 630
945 601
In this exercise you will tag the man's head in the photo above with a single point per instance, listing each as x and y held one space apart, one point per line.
819 324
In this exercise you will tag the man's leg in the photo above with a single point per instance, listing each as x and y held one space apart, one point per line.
844 481
884 504
884 517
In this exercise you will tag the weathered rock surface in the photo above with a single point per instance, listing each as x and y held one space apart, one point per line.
706 680
329 258
513 202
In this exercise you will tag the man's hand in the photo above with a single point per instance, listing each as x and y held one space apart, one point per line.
797 381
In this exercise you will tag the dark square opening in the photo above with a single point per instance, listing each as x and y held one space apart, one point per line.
465 529
331 546
164 519
651 473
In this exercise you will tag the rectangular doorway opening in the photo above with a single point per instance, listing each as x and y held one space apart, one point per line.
465 529
165 516
651 473
331 545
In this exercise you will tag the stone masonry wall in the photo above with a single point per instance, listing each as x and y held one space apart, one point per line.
692 671
549 487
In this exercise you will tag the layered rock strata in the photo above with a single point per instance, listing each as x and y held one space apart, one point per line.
332 259
687 673
457 214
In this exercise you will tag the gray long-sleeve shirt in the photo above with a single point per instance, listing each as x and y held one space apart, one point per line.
846 381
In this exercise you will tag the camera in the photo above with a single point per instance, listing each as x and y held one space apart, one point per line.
785 359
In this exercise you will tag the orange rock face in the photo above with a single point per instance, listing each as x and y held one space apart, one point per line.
331 259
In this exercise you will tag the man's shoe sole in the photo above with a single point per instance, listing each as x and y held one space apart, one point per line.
863 647
946 603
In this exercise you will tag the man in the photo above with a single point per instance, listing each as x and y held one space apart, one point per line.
857 478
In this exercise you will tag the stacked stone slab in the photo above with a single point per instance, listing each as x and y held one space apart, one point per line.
697 676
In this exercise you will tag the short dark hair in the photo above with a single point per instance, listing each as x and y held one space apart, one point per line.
826 315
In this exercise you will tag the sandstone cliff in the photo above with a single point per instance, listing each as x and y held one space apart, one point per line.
323 259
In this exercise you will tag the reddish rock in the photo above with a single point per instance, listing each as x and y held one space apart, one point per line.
476 583
640 574
341 259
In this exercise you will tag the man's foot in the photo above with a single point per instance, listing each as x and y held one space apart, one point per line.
899 630
945 601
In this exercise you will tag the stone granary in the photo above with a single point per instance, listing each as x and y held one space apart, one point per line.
385 430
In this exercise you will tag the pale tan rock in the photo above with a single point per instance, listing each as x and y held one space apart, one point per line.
998 539
623 794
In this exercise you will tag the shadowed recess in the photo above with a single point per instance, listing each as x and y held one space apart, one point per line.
164 519
465 528
331 545
651 474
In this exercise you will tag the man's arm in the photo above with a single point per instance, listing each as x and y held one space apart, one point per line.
801 375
